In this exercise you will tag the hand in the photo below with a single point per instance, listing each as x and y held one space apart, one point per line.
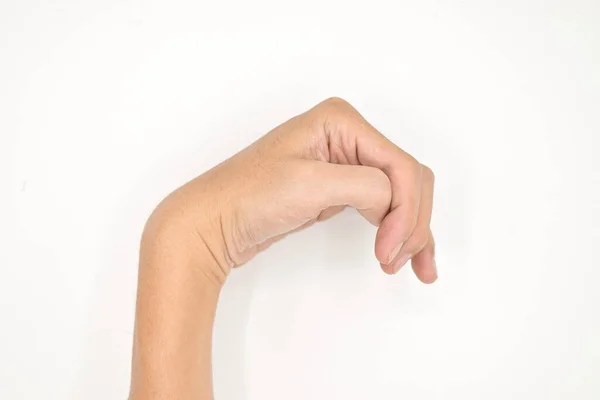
309 169
306 170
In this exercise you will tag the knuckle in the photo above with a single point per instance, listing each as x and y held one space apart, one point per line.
413 167
416 167
334 106
335 102
428 174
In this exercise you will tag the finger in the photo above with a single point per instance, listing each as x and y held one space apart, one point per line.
353 140
420 234
405 177
301 191
331 186
423 263
402 220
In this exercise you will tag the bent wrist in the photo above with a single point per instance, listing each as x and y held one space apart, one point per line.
179 283
188 232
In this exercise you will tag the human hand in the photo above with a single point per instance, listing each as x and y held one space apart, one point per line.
306 170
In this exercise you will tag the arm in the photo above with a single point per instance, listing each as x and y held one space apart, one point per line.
306 170
177 299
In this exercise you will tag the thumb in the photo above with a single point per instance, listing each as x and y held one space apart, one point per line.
366 189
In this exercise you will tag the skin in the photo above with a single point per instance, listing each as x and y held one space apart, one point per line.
305 170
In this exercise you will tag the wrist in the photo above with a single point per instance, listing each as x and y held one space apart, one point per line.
189 232
179 283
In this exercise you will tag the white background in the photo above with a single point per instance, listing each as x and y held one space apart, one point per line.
107 106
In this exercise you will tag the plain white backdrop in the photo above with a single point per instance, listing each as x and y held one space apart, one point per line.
107 106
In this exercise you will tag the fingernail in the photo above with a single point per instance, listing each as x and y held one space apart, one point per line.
434 266
403 260
395 252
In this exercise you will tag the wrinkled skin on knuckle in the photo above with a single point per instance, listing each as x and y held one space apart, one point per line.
332 112
333 120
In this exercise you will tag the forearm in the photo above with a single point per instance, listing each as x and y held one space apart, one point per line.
176 303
